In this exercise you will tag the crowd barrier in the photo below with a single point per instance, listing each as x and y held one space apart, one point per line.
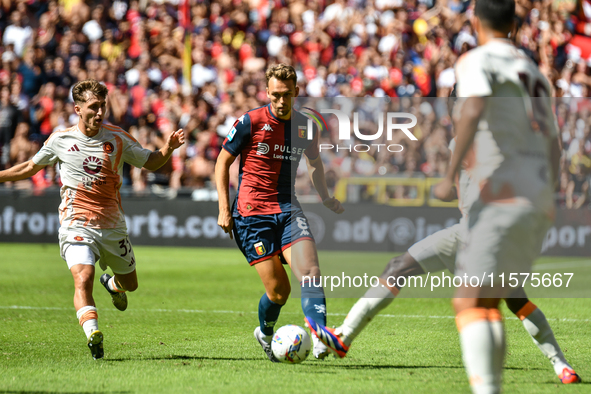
362 227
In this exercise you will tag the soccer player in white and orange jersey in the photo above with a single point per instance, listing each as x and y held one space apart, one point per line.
507 120
91 156
433 254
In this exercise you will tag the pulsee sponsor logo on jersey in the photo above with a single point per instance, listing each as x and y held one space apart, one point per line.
392 120
284 152
262 148
281 152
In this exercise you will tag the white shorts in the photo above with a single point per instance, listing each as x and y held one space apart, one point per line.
438 251
501 239
111 247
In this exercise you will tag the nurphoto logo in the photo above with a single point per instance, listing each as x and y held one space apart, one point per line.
384 122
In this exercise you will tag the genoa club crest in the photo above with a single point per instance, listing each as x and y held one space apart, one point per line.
302 131
259 248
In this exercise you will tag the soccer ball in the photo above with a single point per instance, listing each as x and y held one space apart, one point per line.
291 344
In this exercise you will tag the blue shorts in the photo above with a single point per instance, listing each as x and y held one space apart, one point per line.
260 237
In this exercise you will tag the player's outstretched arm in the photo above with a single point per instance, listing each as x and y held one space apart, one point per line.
160 157
20 171
467 125
316 170
222 183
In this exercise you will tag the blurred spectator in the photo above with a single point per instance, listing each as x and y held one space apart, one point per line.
20 144
30 73
580 161
92 29
9 119
16 34
398 48
577 189
41 111
46 34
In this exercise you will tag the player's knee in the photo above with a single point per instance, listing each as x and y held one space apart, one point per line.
280 294
84 280
311 272
131 286
393 267
403 265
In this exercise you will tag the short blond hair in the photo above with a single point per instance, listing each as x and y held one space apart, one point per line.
81 89
282 72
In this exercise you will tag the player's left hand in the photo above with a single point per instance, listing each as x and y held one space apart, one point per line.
334 205
445 190
176 139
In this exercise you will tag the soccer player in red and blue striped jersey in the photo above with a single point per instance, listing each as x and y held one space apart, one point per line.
266 219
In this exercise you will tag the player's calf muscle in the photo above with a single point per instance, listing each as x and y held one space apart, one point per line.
127 282
279 294
130 286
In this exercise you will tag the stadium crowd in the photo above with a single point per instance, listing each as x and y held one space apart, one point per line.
351 48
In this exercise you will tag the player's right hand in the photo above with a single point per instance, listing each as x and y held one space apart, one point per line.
226 222
176 139
444 190
334 205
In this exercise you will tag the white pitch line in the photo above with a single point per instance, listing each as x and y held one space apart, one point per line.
49 308
287 313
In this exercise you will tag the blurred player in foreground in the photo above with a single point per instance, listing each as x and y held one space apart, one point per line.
438 251
266 218
508 126
91 156
433 254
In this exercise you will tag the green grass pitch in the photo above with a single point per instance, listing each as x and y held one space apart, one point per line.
189 328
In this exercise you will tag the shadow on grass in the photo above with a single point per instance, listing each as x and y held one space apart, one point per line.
369 366
375 366
313 365
177 357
